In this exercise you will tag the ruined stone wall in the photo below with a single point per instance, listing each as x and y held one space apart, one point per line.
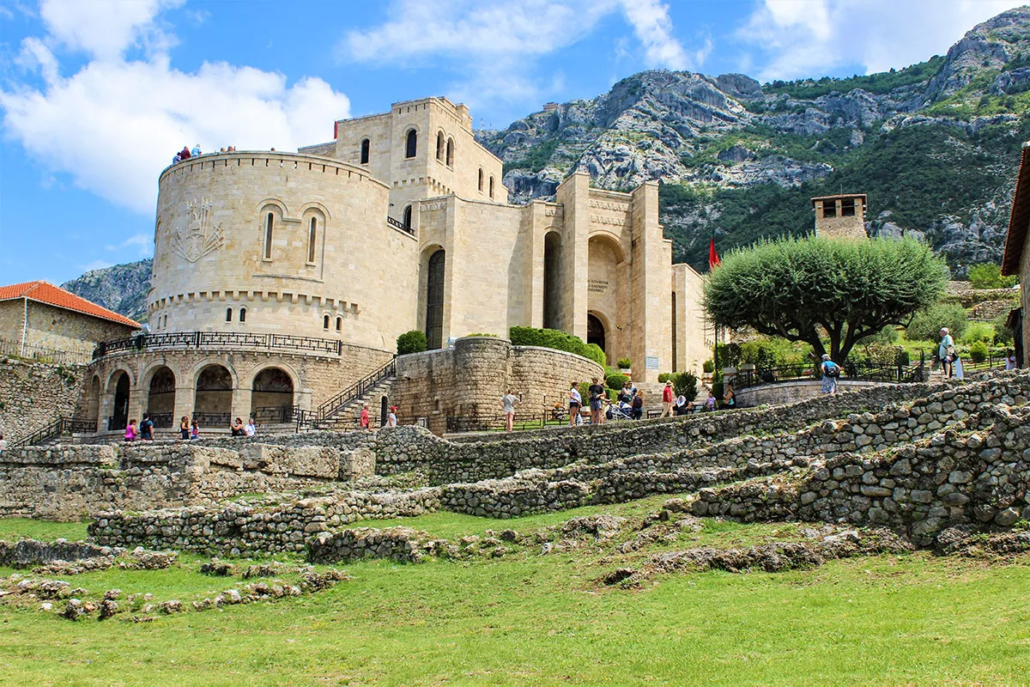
68 482
242 530
32 395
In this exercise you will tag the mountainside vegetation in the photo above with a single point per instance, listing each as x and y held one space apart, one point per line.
121 288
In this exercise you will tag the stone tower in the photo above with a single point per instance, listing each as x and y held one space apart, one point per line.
841 216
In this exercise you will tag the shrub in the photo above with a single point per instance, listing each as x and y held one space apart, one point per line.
664 377
1002 334
616 380
708 366
411 342
560 341
903 359
625 363
926 324
988 276
979 331
978 352
685 384
761 353
481 334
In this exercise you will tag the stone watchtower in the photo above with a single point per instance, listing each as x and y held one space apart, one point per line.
841 216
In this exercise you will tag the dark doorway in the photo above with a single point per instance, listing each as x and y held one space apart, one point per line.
120 418
434 300
595 332
552 279
675 352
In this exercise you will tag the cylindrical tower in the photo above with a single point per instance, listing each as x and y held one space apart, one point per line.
280 243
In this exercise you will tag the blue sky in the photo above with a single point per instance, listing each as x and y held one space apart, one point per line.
97 95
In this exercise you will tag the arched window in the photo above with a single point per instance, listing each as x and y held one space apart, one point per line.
480 179
366 146
411 144
407 218
491 186
339 323
325 322
243 314
312 235
228 314
439 146
269 221
450 152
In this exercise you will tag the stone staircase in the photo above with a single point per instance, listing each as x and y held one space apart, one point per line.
373 396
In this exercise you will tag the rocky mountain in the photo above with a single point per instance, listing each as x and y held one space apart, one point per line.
935 145
122 288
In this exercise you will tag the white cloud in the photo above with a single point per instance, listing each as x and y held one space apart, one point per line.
144 243
802 39
105 28
495 45
115 124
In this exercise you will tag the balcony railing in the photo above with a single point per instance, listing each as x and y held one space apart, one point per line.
62 425
219 341
399 225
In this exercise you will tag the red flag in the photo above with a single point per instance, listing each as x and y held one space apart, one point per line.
713 257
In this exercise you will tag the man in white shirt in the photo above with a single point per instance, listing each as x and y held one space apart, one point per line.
251 428
508 403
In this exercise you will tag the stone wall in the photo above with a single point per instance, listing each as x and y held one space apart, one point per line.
68 482
32 395
468 379
792 392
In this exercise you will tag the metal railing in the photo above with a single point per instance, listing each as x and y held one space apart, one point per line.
873 372
350 423
161 420
62 425
206 419
219 341
42 354
400 225
334 404
275 415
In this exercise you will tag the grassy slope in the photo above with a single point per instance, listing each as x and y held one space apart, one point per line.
542 620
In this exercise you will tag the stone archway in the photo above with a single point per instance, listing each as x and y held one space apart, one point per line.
161 397
271 398
212 404
596 331
120 410
608 303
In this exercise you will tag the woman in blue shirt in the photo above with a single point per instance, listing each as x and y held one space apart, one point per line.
946 351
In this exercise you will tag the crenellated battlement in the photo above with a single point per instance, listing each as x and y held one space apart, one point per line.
273 160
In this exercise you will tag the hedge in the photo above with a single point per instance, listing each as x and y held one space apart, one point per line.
560 341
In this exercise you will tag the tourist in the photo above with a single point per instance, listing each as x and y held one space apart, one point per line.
946 352
237 428
638 405
597 393
710 402
195 430
667 396
3 443
184 428
508 403
146 428
177 159
729 399
251 428
196 151
130 432
366 423
391 419
184 154
575 403
830 371
1010 359
626 393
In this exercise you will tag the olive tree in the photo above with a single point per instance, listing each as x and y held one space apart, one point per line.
807 288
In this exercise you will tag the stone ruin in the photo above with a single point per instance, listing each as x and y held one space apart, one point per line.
916 461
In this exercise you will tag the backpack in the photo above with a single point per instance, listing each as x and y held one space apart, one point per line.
833 370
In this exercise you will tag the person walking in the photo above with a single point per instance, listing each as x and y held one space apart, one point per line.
1010 359
195 430
146 428
251 428
638 405
597 393
831 371
365 420
946 352
508 403
3 443
667 396
575 403
184 428
130 432
391 419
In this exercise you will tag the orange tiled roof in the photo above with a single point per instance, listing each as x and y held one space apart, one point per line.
45 292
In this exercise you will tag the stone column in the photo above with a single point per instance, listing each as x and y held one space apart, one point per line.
650 287
574 195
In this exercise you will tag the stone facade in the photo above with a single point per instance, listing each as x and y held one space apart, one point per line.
791 392
841 217
43 327
468 379
33 395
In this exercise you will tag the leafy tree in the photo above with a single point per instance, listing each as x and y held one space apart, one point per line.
926 325
800 288
979 331
412 342
978 352
988 276
685 384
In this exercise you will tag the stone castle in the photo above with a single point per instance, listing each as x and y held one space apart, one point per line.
280 279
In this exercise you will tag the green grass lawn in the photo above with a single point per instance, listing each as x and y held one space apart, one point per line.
543 620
